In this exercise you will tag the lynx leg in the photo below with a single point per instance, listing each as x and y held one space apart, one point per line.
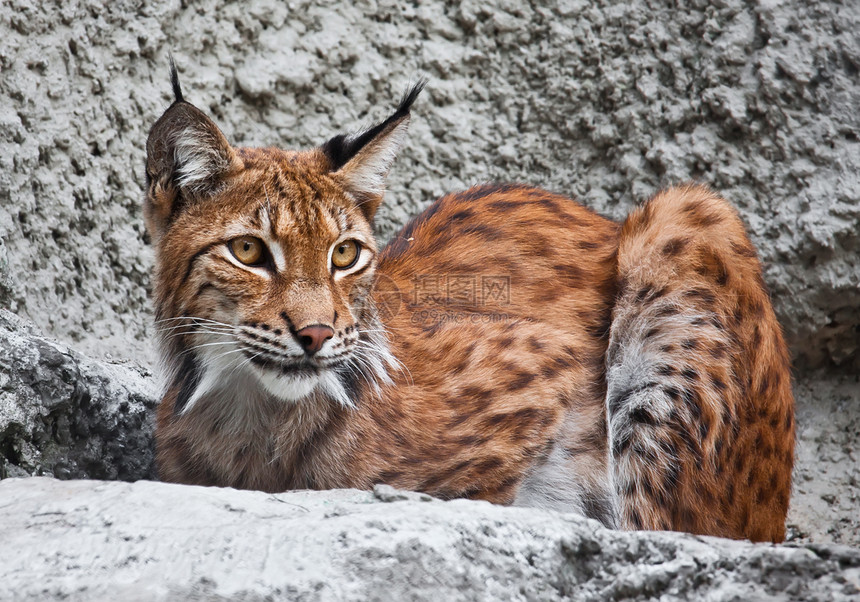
573 476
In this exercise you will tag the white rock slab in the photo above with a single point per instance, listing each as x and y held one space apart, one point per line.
94 540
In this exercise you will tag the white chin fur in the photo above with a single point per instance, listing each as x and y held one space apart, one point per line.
287 388
225 379
295 388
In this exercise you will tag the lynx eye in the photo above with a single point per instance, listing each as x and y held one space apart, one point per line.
247 249
345 254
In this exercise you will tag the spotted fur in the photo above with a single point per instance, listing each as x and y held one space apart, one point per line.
508 344
699 396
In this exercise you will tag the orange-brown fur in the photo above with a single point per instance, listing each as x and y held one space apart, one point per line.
685 258
496 398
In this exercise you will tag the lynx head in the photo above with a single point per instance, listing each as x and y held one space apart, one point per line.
265 258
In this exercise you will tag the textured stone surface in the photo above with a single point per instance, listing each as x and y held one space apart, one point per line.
605 101
825 502
65 415
88 540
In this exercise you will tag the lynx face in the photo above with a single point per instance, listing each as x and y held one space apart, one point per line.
301 279
266 258
277 286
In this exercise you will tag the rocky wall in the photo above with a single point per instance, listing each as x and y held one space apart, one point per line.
65 415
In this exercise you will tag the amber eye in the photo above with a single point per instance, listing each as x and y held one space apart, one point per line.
247 249
345 254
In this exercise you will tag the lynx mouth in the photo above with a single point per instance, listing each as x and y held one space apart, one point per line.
298 380
301 368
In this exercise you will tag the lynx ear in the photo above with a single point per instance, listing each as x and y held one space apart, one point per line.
361 161
187 158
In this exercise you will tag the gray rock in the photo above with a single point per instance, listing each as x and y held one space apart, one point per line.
604 102
65 415
85 540
825 497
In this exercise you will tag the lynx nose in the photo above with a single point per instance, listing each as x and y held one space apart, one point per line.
313 337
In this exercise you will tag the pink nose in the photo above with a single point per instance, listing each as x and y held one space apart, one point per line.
313 337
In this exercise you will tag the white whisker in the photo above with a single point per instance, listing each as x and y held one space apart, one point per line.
202 345
194 327
195 320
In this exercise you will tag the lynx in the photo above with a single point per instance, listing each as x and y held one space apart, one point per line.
508 344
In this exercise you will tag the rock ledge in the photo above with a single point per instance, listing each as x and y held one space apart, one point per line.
156 541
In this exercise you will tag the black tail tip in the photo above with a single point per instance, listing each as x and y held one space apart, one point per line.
174 80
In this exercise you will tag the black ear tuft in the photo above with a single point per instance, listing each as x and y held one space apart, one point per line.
187 159
174 81
342 148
